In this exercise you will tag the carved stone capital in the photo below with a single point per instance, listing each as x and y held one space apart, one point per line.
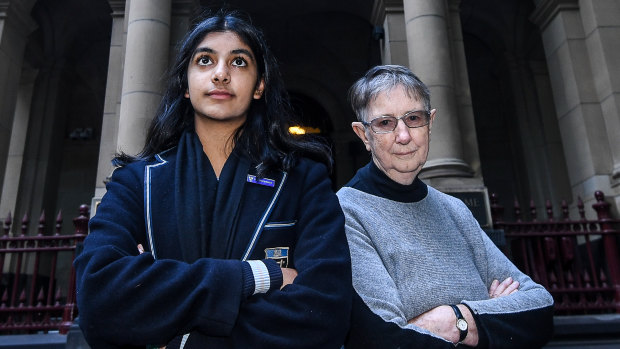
118 7
546 10
19 13
394 6
4 6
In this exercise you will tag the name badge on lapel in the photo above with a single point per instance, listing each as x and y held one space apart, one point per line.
262 181
279 254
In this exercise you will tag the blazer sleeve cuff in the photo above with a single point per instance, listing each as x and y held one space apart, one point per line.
261 276
248 281
275 274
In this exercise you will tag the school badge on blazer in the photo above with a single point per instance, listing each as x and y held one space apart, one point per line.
279 254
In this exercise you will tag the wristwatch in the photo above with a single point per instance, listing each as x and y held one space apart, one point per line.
461 323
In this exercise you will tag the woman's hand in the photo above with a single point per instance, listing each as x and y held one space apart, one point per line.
288 276
508 286
441 321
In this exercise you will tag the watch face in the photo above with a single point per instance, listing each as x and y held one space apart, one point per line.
461 324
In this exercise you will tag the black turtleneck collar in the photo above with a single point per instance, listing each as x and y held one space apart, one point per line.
370 179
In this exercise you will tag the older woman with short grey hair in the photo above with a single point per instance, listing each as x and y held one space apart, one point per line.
424 272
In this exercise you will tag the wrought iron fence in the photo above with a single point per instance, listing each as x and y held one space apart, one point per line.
33 299
575 259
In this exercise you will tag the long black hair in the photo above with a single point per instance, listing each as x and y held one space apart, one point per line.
264 136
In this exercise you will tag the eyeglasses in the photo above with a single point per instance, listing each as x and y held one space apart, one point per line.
387 124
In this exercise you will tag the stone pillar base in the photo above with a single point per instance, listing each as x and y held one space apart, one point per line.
446 167
471 191
615 176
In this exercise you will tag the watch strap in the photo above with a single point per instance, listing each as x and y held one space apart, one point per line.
459 316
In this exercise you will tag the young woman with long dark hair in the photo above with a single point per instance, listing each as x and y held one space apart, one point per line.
223 232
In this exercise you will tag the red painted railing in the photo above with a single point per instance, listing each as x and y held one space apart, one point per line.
577 260
30 265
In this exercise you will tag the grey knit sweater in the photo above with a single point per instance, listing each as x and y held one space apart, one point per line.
409 257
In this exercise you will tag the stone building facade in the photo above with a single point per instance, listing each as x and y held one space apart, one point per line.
527 92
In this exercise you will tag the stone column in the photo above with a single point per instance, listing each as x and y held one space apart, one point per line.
601 24
38 178
117 92
112 103
15 156
467 124
584 129
394 48
15 26
430 54
146 61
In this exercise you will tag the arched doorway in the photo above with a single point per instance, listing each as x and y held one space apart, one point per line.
322 47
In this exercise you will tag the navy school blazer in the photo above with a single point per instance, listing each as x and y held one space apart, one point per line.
131 299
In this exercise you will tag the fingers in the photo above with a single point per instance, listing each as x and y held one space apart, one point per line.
513 287
506 287
493 287
502 287
140 249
